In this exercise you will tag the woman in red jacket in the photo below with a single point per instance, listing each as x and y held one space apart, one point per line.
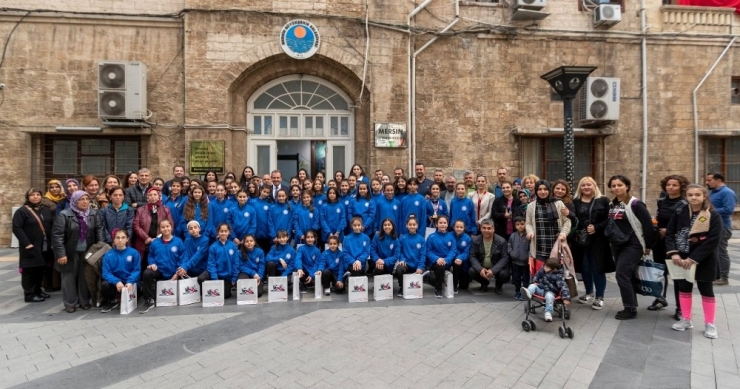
146 223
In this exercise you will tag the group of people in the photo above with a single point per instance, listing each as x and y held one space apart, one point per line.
257 226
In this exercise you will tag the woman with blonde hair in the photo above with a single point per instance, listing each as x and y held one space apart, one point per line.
528 182
591 252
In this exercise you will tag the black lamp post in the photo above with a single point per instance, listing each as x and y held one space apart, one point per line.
566 81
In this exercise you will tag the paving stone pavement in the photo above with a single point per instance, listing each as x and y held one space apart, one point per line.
474 340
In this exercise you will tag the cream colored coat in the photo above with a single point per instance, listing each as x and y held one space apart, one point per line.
563 224
485 205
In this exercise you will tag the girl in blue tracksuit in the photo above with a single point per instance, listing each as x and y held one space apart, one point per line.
252 263
121 269
319 194
357 247
333 219
307 258
242 218
165 255
261 207
280 217
195 258
196 208
305 218
401 187
461 208
280 261
346 199
223 260
436 206
376 189
413 204
387 207
441 250
219 208
364 207
461 263
385 249
334 265
413 253
176 203
295 196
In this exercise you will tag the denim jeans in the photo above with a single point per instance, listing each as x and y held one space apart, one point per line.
549 296
722 255
592 279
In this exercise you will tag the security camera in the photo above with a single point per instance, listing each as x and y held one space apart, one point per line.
2 86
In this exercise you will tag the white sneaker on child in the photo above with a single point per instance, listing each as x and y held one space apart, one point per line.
526 293
548 316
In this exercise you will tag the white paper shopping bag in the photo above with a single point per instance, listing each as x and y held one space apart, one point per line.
449 286
213 293
296 286
188 291
277 289
246 291
383 288
318 293
412 286
166 293
128 300
357 287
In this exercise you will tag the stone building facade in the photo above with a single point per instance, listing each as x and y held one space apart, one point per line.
478 99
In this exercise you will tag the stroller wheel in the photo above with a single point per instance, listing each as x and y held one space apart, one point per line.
569 331
561 332
531 324
525 326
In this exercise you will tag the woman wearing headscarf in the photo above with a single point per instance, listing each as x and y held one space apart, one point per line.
545 223
71 186
146 223
54 194
75 230
31 225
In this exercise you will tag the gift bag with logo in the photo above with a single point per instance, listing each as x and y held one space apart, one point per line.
357 287
188 291
383 288
412 288
213 293
277 289
317 286
246 291
166 293
449 285
128 300
296 286
649 278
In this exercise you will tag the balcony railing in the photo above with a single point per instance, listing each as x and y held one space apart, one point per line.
698 19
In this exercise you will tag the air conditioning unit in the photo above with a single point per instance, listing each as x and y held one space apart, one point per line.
607 15
122 90
599 100
530 4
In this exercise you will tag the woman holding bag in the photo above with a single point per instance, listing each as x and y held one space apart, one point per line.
592 211
630 232
691 238
545 224
31 225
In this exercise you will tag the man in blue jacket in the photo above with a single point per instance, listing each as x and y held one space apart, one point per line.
723 199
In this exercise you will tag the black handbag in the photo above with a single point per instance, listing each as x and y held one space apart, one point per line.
583 238
615 235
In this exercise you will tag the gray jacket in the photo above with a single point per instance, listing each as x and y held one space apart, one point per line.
66 233
519 249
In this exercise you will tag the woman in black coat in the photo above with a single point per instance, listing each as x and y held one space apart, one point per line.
691 238
31 223
75 230
595 258
503 211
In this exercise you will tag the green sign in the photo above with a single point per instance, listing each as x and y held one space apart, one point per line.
207 155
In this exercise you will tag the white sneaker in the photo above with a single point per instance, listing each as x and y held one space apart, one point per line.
327 292
684 324
526 293
598 304
710 331
586 298
548 316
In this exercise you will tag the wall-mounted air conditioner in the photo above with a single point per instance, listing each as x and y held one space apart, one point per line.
530 4
607 15
599 100
122 90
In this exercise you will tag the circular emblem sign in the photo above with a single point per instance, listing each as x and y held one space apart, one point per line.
300 39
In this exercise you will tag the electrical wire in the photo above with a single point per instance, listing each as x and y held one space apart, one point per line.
10 35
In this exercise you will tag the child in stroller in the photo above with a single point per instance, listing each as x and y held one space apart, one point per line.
548 288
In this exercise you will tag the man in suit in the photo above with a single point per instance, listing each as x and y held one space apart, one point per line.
277 183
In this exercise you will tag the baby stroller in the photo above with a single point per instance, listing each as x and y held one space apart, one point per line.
562 251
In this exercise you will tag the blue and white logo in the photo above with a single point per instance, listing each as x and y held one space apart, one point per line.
300 39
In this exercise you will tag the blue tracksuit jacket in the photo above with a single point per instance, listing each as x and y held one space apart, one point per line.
388 209
441 245
167 256
280 219
223 261
253 262
287 253
462 209
195 257
308 259
262 210
305 219
365 209
218 212
441 207
243 221
333 220
388 249
413 251
122 265
177 206
413 204
357 248
333 261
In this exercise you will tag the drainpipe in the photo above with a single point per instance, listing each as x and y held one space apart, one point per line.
409 90
696 114
412 72
643 60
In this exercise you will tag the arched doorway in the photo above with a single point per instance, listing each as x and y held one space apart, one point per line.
300 121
